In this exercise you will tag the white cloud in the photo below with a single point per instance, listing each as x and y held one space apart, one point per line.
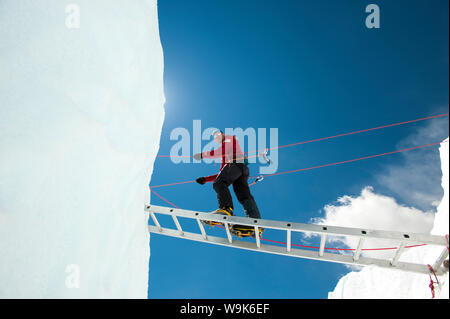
374 211
374 282
416 181
414 190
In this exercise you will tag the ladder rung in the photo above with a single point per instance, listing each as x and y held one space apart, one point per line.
358 249
288 239
202 229
155 220
258 241
398 253
227 228
177 223
323 239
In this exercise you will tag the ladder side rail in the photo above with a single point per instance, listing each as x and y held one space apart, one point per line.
299 253
409 238
356 256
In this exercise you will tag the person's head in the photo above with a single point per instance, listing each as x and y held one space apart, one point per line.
218 136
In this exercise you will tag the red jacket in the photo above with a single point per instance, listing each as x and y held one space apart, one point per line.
229 150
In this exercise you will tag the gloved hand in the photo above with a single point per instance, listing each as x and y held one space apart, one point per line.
201 180
198 156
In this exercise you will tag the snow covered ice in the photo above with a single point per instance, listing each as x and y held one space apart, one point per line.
374 282
80 124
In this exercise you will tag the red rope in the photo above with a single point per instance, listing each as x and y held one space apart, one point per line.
355 159
432 283
339 249
172 184
357 132
321 166
164 199
325 138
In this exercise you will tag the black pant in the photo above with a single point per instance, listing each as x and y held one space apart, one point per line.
235 174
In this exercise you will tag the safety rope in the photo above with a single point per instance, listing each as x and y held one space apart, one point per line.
432 283
164 199
263 151
355 159
321 166
356 132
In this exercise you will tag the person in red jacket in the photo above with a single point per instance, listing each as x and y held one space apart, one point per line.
233 171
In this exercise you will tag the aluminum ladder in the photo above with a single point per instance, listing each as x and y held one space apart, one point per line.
321 230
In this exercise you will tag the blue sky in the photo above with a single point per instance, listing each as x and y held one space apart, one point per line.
311 69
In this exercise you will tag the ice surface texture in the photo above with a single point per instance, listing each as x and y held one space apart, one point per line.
81 114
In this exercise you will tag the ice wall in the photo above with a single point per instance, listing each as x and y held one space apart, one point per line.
81 112
376 283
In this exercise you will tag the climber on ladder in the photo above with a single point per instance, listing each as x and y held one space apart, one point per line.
233 171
